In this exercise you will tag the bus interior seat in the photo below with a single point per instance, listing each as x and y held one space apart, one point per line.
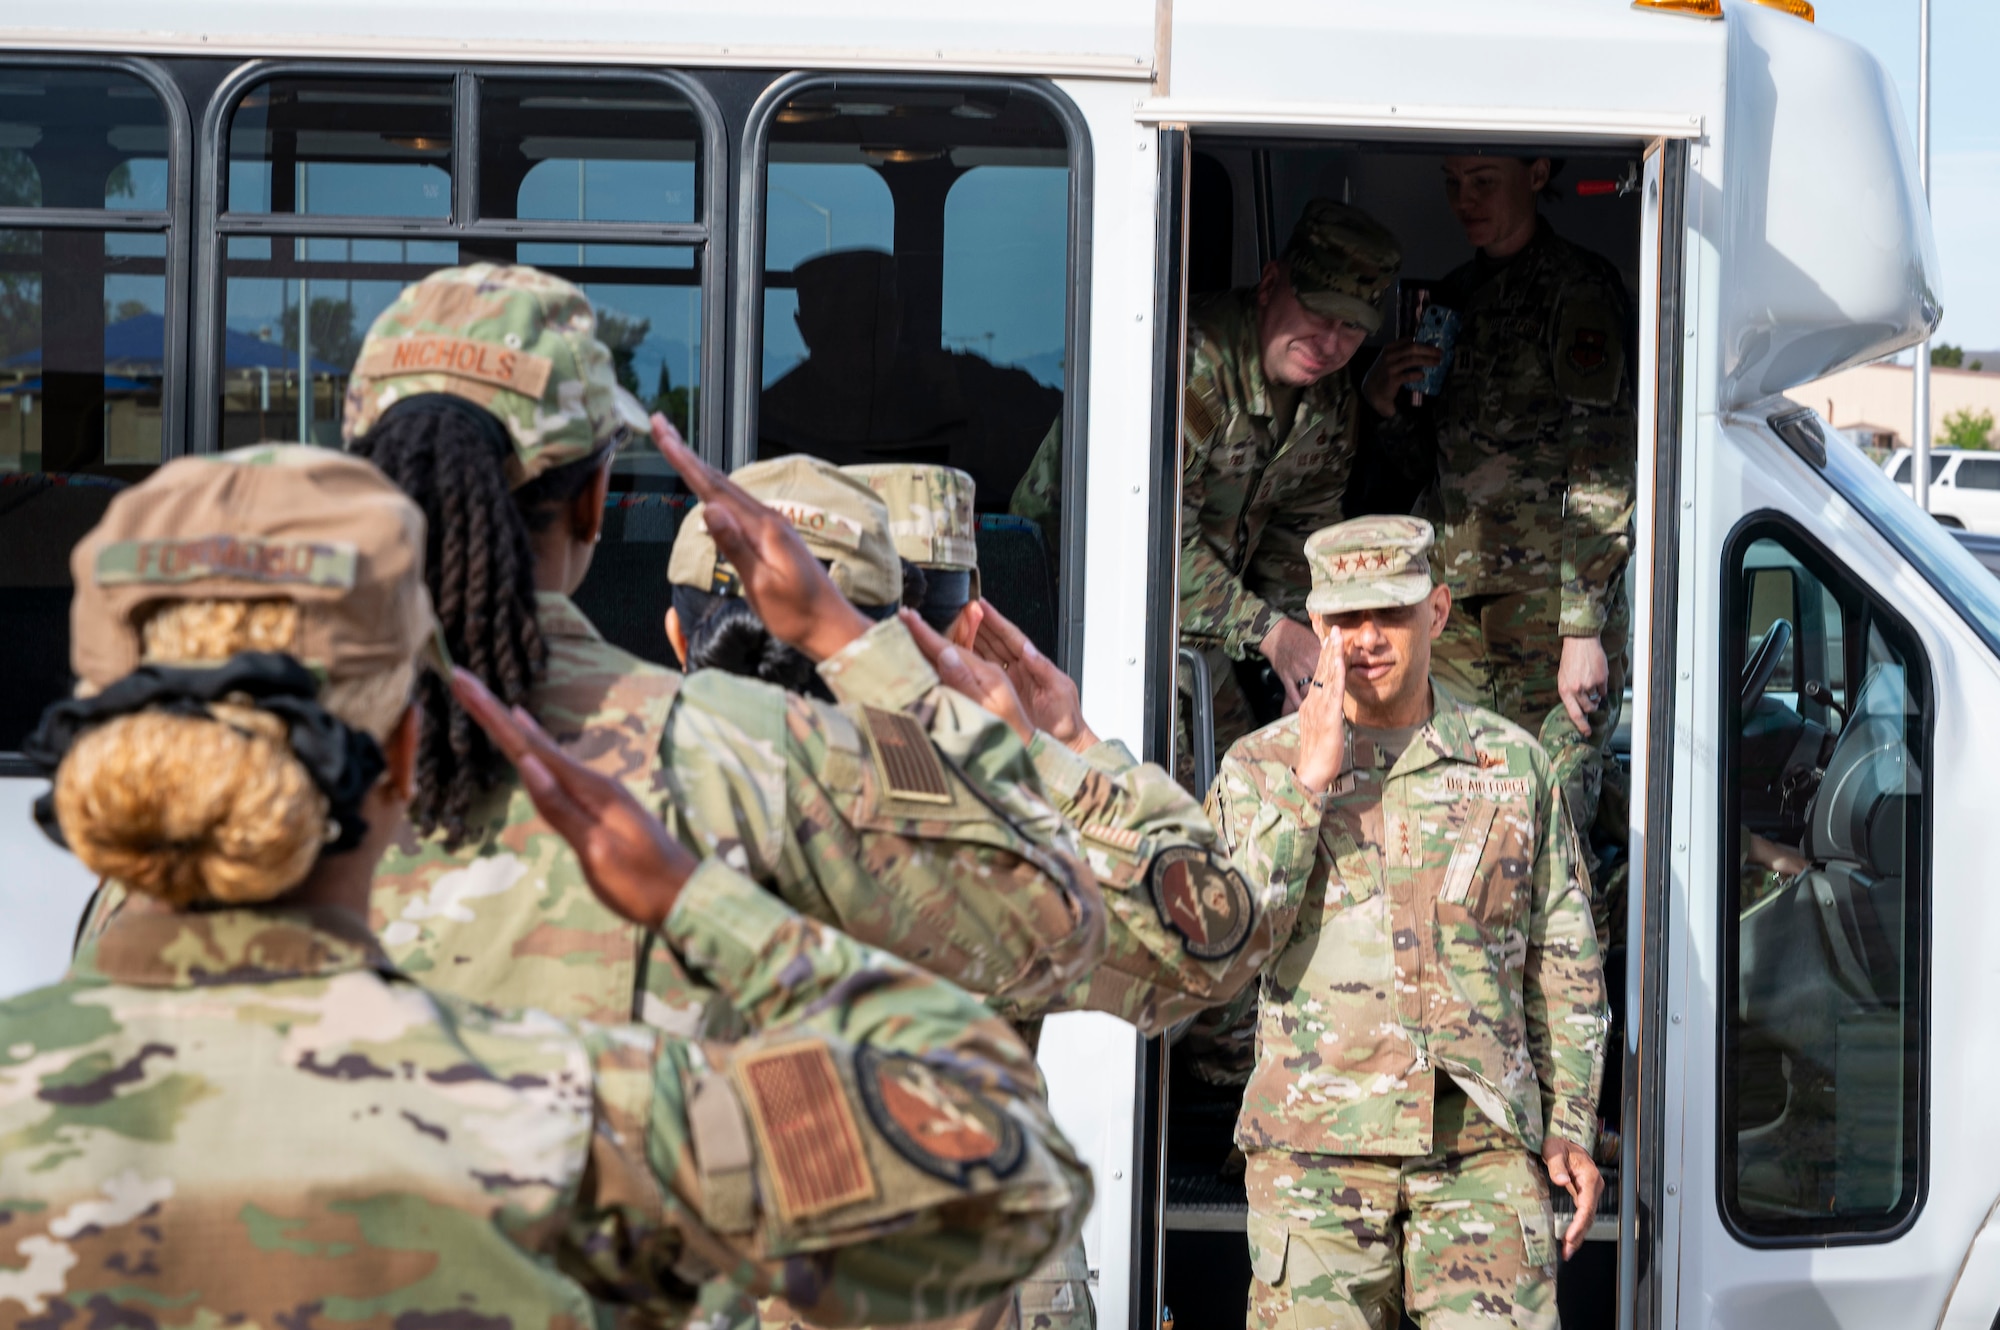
45 516
1014 575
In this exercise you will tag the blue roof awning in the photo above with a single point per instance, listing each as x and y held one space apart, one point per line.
136 348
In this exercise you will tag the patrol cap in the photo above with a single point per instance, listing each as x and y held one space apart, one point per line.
277 521
839 518
1342 262
930 513
1369 563
512 339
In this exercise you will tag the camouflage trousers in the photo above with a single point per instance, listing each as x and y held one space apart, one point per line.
1462 1237
1055 1297
1229 709
1504 653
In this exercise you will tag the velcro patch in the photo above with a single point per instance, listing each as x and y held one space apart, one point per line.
1465 857
278 562
909 766
806 1129
1485 787
935 1120
521 372
1199 419
1203 899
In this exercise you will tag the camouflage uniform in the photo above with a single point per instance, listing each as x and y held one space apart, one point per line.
245 1114
1532 500
503 1169
1446 927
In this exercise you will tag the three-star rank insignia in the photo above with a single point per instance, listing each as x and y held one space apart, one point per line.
935 1120
1203 899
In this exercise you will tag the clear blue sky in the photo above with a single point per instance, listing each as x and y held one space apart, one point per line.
1965 140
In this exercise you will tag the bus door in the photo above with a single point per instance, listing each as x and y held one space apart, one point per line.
1229 199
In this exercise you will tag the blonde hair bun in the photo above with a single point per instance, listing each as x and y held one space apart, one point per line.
192 808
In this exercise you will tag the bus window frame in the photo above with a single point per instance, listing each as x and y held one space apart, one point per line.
747 294
706 236
1920 673
174 222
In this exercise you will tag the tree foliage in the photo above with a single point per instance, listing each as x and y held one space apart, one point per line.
1965 429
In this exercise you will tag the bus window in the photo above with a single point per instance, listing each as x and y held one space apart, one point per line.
327 145
916 290
586 151
1823 900
573 175
87 351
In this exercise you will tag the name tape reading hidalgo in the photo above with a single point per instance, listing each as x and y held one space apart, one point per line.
834 528
293 562
522 372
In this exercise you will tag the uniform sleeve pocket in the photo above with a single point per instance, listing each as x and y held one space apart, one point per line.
1538 1234
1269 1239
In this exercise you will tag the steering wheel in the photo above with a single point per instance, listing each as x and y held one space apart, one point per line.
1763 663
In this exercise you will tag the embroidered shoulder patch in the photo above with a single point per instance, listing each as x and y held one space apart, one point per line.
1203 899
1589 353
936 1121
909 766
806 1130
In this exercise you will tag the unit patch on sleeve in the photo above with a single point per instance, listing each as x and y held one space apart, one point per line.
1203 899
936 1121
1589 353
806 1129
909 766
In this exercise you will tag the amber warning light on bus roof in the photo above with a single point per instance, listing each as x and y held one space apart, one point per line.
1713 8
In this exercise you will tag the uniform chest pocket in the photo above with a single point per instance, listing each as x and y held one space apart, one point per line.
1486 874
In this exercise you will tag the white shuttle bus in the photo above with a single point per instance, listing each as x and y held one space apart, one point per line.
203 203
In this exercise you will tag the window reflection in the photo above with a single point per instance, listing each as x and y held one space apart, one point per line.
339 146
295 310
586 151
916 270
81 138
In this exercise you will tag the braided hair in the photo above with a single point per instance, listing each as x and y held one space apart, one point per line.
448 455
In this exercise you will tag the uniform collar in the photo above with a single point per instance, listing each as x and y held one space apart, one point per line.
202 948
1447 738
558 616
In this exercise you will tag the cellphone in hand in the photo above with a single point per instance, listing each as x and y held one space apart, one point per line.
1439 328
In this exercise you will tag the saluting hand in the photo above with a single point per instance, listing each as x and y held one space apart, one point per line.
1323 719
781 579
1049 695
628 858
962 672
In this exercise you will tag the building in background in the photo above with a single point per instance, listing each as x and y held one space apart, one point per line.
1872 403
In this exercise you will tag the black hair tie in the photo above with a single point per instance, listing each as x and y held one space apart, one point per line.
344 762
